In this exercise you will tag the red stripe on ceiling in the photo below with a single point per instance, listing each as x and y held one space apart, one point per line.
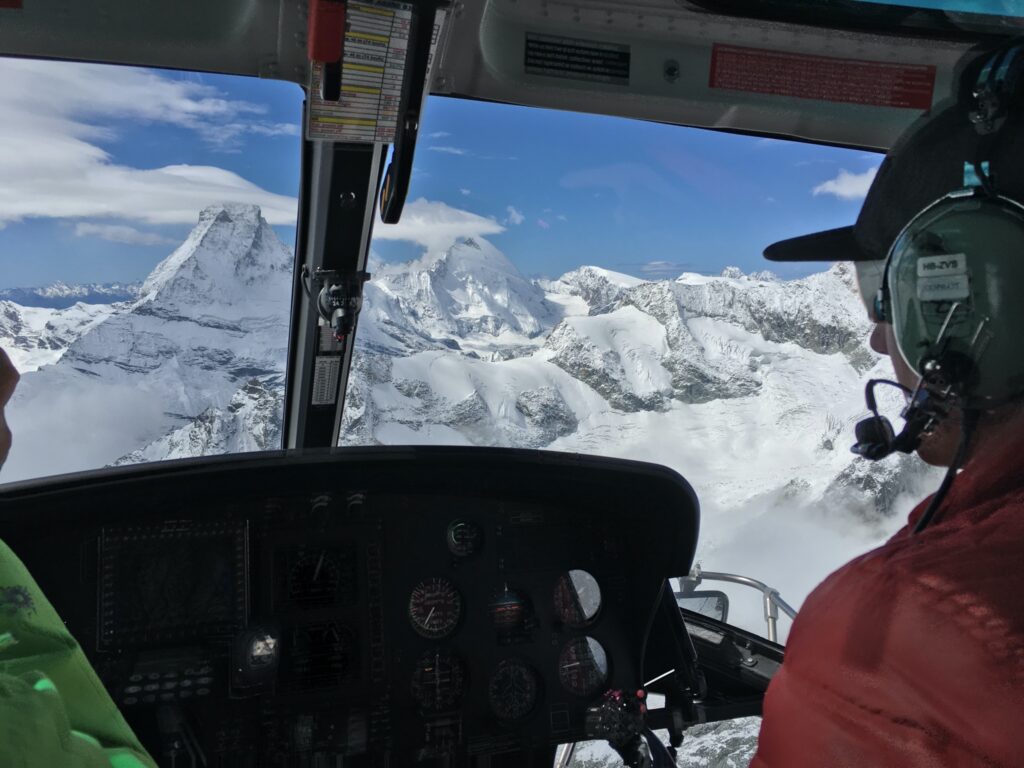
10 4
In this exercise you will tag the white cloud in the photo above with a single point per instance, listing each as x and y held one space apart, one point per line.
448 150
543 224
438 135
466 192
847 186
435 225
662 268
56 114
514 216
227 137
119 233
561 217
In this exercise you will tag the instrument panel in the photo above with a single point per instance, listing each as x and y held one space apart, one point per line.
415 604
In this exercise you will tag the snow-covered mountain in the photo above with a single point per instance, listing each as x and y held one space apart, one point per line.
37 336
202 347
60 295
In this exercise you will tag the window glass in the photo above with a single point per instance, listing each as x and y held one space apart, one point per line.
146 229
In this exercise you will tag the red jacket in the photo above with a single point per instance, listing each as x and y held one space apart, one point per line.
912 656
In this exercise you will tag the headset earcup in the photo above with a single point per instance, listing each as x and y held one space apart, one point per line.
951 280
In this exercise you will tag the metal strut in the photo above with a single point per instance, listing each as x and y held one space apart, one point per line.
340 184
331 255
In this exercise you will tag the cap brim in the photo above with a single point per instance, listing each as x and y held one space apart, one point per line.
830 245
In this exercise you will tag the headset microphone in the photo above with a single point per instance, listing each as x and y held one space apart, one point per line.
876 437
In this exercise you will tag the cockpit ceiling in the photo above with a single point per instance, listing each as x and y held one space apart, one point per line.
661 60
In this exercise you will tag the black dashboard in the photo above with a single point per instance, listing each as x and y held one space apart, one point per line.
370 606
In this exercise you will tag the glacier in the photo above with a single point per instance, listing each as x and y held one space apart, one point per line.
747 385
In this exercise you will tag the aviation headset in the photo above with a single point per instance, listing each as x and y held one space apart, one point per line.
951 284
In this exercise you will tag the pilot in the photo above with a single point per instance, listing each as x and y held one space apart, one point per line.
54 712
912 655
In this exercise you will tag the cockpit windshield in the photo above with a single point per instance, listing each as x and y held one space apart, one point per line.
558 281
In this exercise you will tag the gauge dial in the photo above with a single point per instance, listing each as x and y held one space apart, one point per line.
513 689
314 578
463 538
577 598
438 681
508 609
434 608
583 666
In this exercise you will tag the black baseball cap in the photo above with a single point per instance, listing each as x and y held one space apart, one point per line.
926 163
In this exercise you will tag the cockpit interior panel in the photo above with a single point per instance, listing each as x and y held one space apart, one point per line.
276 609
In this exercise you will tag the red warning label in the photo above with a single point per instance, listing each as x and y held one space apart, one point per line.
823 78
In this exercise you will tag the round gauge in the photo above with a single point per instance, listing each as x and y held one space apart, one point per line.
463 538
508 609
438 681
314 578
434 608
513 689
577 598
583 666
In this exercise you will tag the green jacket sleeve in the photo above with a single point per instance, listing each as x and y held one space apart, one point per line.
54 711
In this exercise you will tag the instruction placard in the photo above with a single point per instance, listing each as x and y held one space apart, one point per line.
326 373
373 66
576 59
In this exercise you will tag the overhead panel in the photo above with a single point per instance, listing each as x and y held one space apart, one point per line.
265 38
663 60
669 62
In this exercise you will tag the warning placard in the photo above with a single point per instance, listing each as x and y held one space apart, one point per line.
569 57
823 78
373 66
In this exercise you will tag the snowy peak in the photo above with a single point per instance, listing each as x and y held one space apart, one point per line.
36 336
822 312
598 287
225 259
60 295
467 292
214 314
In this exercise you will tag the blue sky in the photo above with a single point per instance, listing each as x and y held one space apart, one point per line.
101 179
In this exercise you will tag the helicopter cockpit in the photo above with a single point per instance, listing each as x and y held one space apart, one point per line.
316 605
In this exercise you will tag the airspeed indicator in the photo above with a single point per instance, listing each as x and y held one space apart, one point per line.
435 607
